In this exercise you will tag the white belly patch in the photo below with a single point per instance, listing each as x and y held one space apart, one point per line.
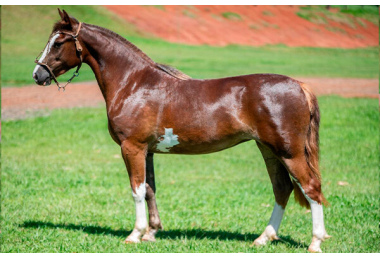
167 141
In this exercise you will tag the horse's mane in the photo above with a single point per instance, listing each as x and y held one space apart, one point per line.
58 26
173 71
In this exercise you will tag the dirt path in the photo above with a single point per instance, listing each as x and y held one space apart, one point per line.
220 25
18 103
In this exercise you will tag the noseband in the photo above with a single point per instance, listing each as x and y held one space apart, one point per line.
78 52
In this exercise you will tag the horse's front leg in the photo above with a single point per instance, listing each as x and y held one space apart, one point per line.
154 218
134 155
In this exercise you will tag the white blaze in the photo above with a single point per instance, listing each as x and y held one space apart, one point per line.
46 51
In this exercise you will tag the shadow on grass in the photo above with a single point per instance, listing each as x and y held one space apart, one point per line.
163 234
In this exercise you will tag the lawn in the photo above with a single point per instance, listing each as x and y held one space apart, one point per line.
25 31
65 189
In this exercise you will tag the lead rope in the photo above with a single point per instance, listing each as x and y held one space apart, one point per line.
79 50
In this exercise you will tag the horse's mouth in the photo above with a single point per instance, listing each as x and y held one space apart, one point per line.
47 82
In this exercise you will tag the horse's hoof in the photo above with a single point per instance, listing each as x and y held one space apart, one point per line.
148 238
260 241
314 249
263 239
131 240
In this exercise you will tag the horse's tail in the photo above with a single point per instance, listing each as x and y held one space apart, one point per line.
311 145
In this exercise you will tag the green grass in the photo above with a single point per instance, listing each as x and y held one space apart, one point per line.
369 12
189 13
65 189
232 16
268 13
25 30
350 15
160 7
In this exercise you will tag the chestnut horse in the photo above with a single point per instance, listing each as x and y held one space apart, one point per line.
154 108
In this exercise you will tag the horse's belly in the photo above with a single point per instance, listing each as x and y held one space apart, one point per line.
171 144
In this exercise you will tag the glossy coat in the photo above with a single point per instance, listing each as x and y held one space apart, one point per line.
153 108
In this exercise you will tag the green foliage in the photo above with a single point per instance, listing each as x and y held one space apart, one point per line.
232 16
65 189
350 15
160 7
189 13
312 17
268 13
369 12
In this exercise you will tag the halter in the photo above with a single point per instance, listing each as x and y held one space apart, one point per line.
79 50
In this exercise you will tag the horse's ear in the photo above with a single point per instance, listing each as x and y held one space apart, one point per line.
60 13
65 17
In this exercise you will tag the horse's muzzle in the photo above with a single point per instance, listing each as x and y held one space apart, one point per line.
41 76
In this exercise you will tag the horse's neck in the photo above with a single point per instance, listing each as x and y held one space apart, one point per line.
112 60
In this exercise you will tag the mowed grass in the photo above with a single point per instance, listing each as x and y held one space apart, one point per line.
65 189
25 31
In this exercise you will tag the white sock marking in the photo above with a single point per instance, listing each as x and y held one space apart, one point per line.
276 217
270 232
316 215
141 221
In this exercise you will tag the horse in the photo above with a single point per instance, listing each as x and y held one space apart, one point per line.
154 108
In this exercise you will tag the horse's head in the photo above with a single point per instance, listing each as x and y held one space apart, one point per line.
62 52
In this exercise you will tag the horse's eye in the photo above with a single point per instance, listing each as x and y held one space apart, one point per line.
57 44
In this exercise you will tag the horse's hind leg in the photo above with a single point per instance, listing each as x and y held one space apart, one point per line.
310 187
282 188
154 218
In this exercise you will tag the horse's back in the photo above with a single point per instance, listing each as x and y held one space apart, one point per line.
253 94
216 114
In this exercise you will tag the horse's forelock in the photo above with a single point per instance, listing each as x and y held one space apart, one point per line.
63 26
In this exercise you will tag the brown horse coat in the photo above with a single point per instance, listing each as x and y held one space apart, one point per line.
153 108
